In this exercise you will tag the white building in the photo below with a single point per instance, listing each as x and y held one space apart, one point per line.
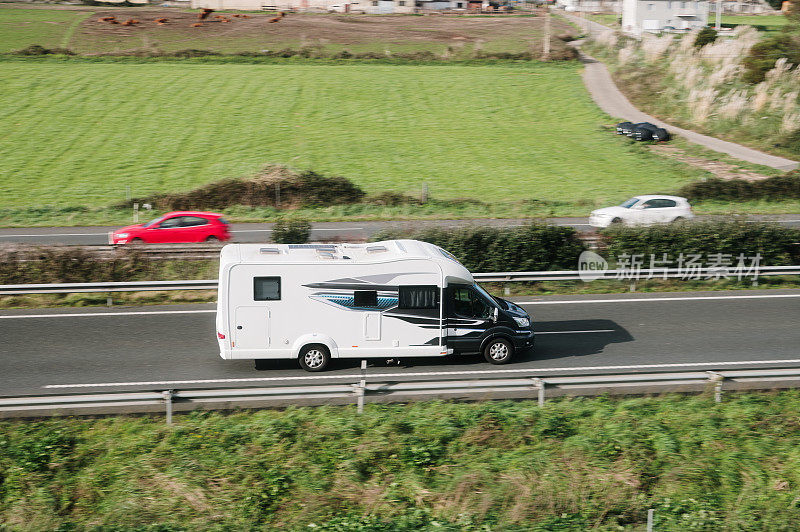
375 7
655 16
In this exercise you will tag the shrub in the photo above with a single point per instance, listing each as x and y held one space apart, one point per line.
778 245
291 231
533 247
275 186
763 55
786 186
705 36
36 49
69 265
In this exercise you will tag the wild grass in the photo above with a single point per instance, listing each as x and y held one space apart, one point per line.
77 135
574 464
703 89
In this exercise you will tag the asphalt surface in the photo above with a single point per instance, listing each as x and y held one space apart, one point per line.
611 100
93 350
324 231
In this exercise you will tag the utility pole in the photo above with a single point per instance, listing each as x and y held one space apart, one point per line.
719 15
546 54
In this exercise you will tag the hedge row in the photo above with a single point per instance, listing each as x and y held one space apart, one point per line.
533 247
782 187
537 247
778 245
275 186
559 53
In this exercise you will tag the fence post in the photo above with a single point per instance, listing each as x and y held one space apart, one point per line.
650 520
168 401
362 384
538 385
716 379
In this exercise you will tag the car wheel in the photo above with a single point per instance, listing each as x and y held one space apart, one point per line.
212 239
498 351
314 357
616 222
678 219
136 242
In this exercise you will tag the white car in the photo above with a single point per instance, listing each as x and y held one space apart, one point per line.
643 210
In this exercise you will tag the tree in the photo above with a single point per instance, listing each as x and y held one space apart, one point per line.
705 36
763 55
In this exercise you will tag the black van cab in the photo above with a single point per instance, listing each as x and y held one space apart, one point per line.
480 323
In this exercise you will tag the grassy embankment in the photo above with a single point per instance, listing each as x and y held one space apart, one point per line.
573 465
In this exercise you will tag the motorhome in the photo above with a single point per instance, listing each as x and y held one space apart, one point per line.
391 299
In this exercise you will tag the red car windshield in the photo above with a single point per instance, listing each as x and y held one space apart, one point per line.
153 222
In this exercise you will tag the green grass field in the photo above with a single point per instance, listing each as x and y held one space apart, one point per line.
769 23
79 134
47 27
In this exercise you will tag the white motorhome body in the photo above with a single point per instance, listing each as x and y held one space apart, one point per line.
384 299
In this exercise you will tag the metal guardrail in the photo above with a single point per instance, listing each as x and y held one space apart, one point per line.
504 277
360 388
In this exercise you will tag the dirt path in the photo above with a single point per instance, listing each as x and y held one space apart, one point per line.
611 100
719 169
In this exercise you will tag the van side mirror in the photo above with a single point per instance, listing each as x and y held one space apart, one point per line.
495 312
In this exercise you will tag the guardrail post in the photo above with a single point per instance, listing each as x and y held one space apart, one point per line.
362 384
168 402
716 379
538 385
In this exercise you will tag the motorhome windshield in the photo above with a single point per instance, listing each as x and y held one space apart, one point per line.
630 203
485 294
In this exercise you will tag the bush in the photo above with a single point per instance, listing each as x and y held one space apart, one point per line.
778 245
291 231
275 186
35 49
763 55
69 265
786 186
705 36
533 247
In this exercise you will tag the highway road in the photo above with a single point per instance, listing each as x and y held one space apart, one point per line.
323 231
89 350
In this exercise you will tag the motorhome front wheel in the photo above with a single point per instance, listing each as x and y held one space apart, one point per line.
498 351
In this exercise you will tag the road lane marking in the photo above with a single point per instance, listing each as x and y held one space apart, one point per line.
55 234
652 299
312 229
574 332
85 314
530 371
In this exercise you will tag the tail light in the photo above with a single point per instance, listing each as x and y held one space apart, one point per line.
220 336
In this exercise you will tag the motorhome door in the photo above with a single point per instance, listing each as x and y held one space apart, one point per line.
251 327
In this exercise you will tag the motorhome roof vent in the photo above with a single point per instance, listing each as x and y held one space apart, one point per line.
376 249
319 247
326 255
269 251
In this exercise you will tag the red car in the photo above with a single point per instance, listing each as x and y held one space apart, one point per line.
175 227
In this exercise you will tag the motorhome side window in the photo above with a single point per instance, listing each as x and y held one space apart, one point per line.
365 298
267 288
416 297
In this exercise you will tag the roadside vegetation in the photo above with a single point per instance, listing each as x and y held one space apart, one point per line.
574 464
534 247
742 88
